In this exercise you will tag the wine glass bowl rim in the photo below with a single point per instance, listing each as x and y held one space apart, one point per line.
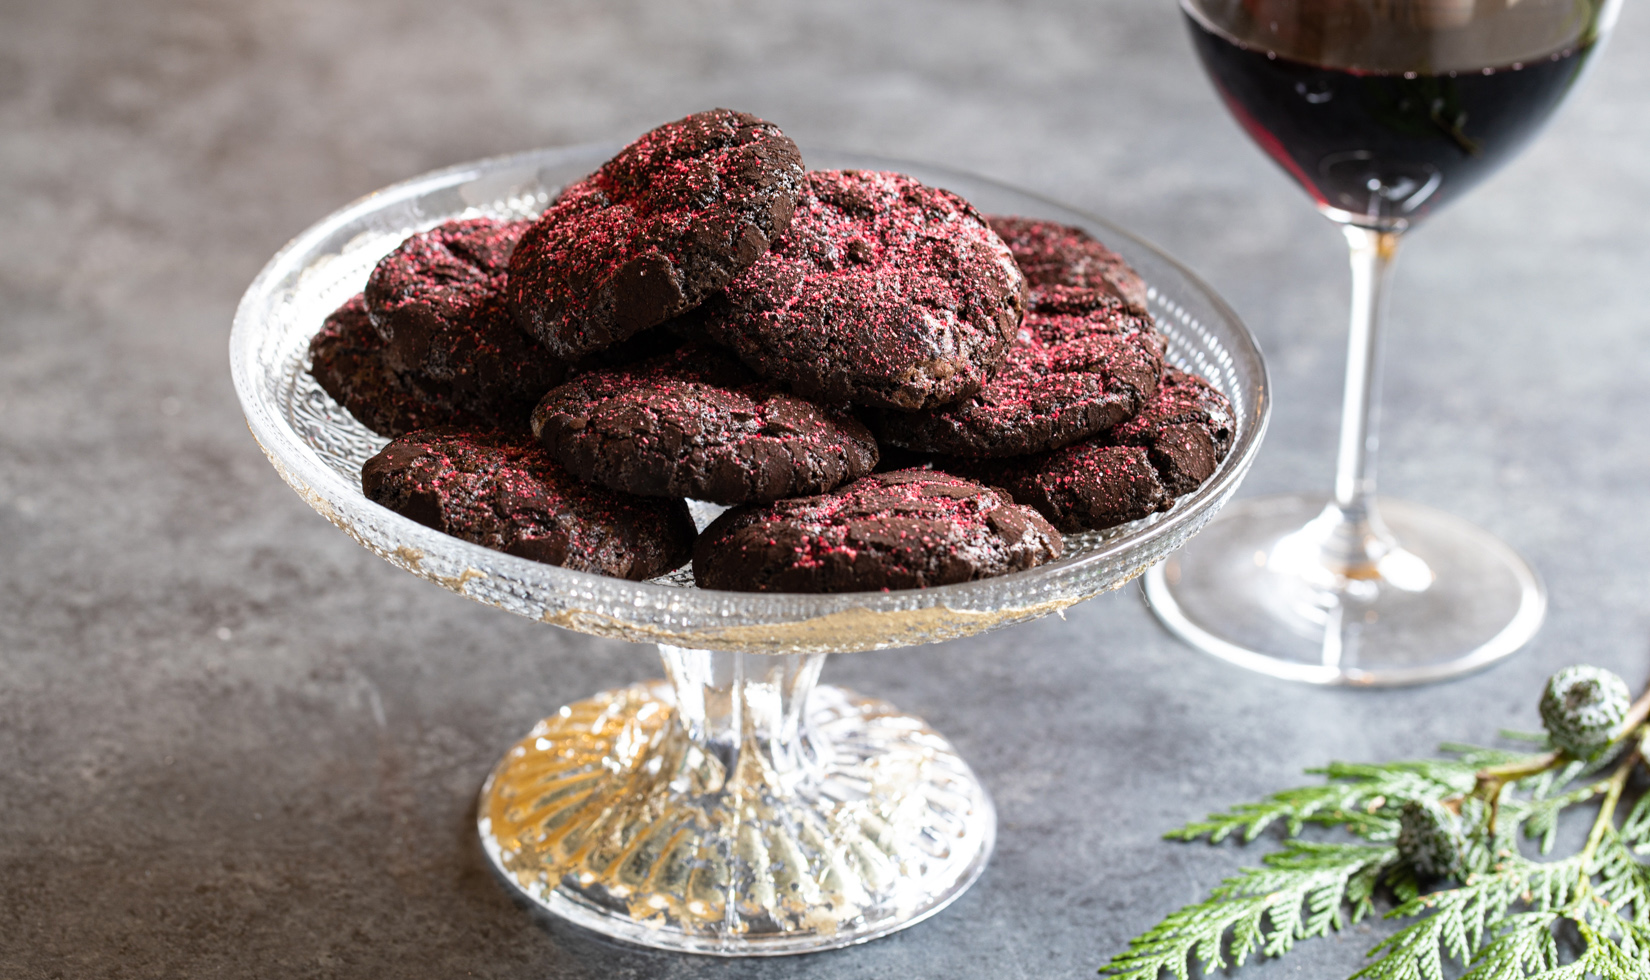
1594 21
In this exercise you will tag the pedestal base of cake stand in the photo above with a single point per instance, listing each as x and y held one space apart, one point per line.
736 810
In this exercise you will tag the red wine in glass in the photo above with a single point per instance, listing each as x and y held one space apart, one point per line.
1385 124
1383 111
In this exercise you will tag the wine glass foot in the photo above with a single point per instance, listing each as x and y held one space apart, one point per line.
612 815
1445 597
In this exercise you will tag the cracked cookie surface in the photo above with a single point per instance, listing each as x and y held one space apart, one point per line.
698 423
659 227
907 529
1186 428
438 303
347 359
884 292
1082 363
1052 254
501 490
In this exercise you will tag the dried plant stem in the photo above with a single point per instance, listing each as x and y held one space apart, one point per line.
1493 779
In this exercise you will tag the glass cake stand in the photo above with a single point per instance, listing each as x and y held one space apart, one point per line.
735 808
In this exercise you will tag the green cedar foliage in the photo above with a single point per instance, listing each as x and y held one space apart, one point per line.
1503 916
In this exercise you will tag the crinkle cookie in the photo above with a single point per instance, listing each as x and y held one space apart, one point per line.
884 292
908 529
347 359
1086 487
1187 429
1167 451
503 491
438 302
1052 254
697 423
1082 364
659 227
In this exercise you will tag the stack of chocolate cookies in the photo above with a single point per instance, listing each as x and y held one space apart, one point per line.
887 389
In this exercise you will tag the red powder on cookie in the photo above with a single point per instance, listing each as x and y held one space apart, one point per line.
884 292
1052 254
899 530
1082 362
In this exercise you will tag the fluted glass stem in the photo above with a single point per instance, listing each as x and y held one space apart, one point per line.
747 712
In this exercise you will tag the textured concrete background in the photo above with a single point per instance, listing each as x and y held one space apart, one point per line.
234 744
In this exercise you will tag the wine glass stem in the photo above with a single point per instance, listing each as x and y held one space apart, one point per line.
1372 255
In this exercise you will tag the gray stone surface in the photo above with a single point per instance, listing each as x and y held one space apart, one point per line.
233 744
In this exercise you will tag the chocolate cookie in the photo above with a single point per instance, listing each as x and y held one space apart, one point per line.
909 529
347 359
883 292
1167 451
1186 428
659 227
1052 254
503 491
438 302
697 423
1081 364
1086 487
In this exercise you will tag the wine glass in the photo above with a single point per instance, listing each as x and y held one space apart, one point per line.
1383 111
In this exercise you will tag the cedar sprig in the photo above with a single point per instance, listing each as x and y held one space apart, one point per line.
1498 914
